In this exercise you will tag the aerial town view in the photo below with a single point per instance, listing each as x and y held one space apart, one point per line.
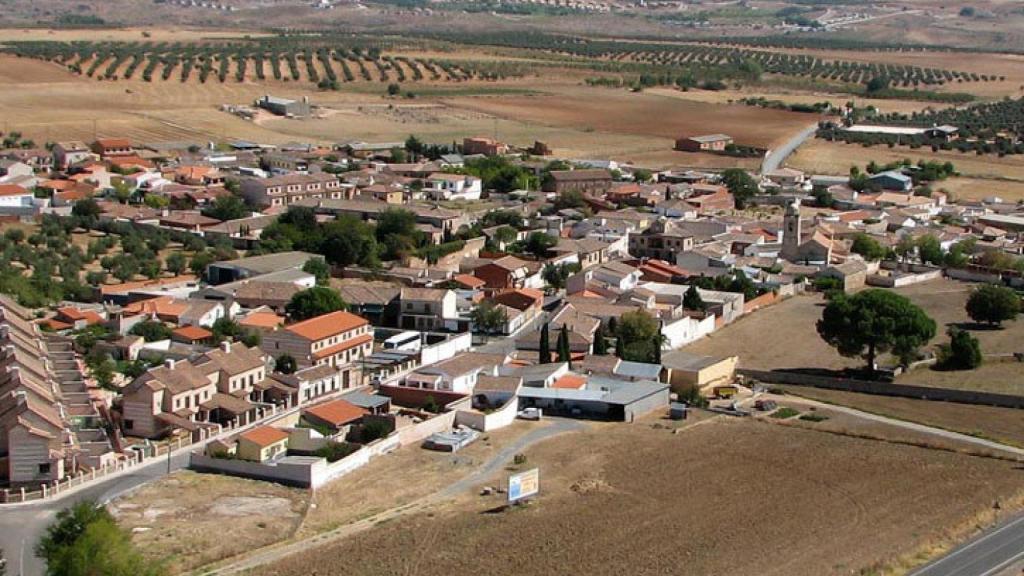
511 287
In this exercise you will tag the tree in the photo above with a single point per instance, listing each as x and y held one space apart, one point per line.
544 351
564 352
394 89
414 146
538 244
488 317
556 275
313 302
151 330
227 207
693 301
319 268
741 185
176 263
636 335
600 342
962 353
930 250
88 542
905 247
993 304
200 261
642 175
867 247
285 364
873 322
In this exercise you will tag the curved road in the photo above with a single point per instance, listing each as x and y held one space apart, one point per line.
274 553
776 157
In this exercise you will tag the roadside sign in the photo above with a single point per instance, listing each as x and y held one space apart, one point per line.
523 485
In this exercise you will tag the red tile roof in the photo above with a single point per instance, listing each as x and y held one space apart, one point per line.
342 346
570 381
327 325
264 436
192 333
12 190
337 413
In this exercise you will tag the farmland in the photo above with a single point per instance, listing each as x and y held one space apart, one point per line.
814 503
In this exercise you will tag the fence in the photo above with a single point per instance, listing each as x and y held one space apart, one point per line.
886 388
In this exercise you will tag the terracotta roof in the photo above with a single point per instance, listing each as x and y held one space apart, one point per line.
336 413
469 281
570 381
262 320
12 190
192 333
114 143
350 343
326 325
264 436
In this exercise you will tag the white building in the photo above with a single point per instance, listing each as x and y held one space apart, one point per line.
443 186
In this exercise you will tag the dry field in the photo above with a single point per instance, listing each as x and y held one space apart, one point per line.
1000 424
182 519
771 91
822 157
967 188
793 322
120 34
724 497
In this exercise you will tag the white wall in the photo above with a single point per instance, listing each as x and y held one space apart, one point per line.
688 329
499 418
444 350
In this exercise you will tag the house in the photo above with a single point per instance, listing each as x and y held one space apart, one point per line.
287 189
427 309
284 163
181 394
70 152
441 186
484 146
14 168
706 143
311 383
261 444
112 147
16 200
596 182
183 312
337 339
191 335
335 416
786 178
284 106
457 374
528 302
504 273
191 221
851 274
663 240
374 300
892 180
589 251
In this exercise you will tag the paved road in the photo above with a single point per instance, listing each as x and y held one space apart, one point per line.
993 552
270 554
22 526
776 157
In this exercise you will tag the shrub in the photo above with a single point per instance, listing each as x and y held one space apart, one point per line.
784 413
334 451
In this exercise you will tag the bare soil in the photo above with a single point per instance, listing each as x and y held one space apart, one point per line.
724 497
187 519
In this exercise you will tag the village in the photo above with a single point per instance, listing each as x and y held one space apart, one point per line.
291 313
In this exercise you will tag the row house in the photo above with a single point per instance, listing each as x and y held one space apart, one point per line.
337 339
290 188
217 387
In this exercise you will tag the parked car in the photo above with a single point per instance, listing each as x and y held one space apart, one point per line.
531 413
765 405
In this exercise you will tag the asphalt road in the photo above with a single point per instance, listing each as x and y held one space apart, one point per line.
776 157
990 554
22 526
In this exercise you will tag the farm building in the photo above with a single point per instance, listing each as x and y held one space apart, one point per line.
594 181
601 398
284 106
893 180
706 143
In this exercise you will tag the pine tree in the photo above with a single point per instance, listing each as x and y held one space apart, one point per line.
544 354
600 344
693 301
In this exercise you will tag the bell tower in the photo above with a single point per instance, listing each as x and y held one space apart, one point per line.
791 231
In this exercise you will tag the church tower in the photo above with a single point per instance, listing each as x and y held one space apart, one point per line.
791 235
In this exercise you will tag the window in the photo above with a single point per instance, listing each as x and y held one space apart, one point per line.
44 468
129 424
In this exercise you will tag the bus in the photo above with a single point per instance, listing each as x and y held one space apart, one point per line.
406 341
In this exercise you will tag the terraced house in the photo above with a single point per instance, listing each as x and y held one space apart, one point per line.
48 426
221 385
290 188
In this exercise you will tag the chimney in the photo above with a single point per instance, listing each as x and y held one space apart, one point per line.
20 397
226 346
169 363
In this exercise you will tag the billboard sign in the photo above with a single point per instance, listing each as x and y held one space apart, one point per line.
523 485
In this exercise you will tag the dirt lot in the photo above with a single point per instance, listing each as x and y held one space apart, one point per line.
725 497
1001 424
793 322
821 157
181 519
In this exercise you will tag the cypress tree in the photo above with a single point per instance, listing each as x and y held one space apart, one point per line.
563 346
544 354
600 344
657 348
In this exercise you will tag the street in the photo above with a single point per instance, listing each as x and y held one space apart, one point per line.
990 554
776 157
